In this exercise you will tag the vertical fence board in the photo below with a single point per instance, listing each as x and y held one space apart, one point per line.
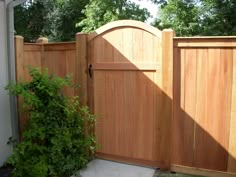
176 139
201 107
19 58
81 66
19 53
232 138
167 95
71 71
32 58
188 109
42 40
59 57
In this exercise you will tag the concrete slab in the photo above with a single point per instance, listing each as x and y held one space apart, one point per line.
104 168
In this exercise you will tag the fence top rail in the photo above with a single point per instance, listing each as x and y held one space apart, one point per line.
125 23
59 46
206 37
50 46
205 42
60 43
32 47
51 43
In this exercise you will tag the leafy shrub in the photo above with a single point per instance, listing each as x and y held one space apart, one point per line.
56 142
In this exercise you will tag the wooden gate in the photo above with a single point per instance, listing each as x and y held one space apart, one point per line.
125 80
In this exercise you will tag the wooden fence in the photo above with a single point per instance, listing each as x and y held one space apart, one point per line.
58 58
186 86
204 103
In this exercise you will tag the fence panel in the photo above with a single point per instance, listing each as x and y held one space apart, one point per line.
204 72
59 58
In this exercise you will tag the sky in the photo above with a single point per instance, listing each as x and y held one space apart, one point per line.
152 8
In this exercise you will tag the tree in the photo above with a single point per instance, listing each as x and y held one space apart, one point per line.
100 12
219 17
28 23
197 17
64 18
181 15
55 19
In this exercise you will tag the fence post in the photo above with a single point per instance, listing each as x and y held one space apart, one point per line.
232 135
19 54
42 40
81 67
167 96
19 59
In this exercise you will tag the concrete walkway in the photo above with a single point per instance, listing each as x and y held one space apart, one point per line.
104 168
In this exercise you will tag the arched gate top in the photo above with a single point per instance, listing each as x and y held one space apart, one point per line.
125 23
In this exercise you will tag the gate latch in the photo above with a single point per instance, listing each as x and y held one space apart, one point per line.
90 70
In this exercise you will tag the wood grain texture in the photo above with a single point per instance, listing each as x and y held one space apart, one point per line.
201 171
122 69
156 98
202 107
19 54
61 63
166 97
126 66
125 24
32 47
32 58
82 66
60 60
232 138
212 129
184 102
19 59
214 42
42 40
60 46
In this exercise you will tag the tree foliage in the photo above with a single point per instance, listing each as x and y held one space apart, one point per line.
55 19
64 18
100 12
181 15
197 17
218 17
60 20
28 23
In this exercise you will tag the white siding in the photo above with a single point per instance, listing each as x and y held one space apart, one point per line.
5 121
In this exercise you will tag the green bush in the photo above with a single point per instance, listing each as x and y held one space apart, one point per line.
56 142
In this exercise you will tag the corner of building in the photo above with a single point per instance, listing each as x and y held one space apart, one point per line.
5 115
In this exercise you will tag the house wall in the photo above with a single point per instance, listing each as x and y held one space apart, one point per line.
5 121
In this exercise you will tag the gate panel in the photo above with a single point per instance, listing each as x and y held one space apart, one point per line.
124 100
125 63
